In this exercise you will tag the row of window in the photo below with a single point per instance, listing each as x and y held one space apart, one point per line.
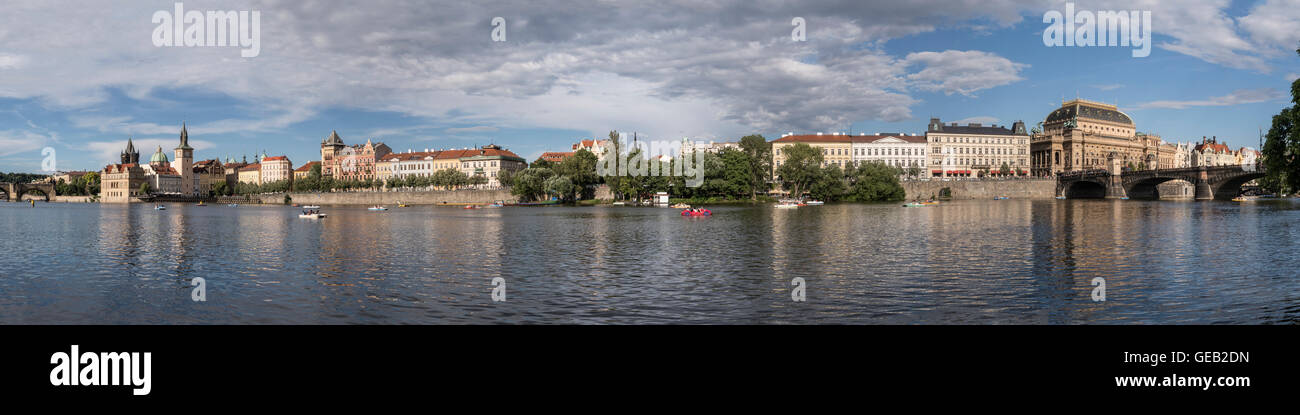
978 140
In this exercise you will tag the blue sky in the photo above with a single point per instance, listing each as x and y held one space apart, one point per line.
82 78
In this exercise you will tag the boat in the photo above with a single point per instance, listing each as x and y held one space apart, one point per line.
697 212
402 205
316 215
200 203
497 204
814 203
619 203
681 206
1240 199
1060 198
470 207
376 208
311 207
787 205
159 207
1001 198
232 205
930 202
914 204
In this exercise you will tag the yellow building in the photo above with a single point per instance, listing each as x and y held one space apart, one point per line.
251 174
1085 135
836 148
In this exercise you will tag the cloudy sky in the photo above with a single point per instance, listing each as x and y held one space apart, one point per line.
80 77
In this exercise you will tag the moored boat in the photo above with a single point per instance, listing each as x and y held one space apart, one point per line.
376 208
159 207
814 203
697 212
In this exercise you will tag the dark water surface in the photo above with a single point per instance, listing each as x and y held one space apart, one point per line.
982 262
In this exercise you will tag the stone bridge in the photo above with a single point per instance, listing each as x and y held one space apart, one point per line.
15 191
1211 182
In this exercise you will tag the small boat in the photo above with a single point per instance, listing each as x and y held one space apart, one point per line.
619 203
377 208
311 207
1001 198
814 203
497 204
697 212
232 205
1060 198
786 205
200 203
1124 198
159 207
470 207
930 202
914 204
312 216
1240 199
402 205
681 206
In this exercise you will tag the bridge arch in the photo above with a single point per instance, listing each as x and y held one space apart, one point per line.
1084 189
1230 187
18 197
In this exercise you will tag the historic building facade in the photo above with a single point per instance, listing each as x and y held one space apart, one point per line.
836 148
974 149
275 169
344 162
1085 135
903 151
162 178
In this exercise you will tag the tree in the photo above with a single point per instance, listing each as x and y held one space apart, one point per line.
144 188
801 168
561 187
1005 169
875 182
830 185
531 182
1281 146
506 177
541 163
759 152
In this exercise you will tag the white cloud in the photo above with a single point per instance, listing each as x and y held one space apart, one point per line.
474 129
986 120
962 72
21 141
1240 96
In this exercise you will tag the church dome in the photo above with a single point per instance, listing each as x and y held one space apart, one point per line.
158 157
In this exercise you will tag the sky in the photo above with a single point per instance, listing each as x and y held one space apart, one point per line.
81 77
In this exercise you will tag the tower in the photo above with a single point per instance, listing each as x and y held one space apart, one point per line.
184 163
130 155
329 149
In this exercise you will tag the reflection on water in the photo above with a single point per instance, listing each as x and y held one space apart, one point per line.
982 262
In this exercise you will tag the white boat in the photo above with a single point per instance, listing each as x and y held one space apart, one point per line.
619 203
159 207
377 208
784 205
311 207
814 203
312 216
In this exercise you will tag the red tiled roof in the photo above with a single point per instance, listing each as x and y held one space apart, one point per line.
874 138
488 152
275 158
418 155
307 167
1215 147
250 167
556 155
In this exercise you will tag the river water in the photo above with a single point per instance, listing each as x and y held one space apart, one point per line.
964 262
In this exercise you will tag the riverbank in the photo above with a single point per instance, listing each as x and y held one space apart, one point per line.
981 189
433 197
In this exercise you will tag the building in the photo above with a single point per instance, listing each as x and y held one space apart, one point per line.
836 148
209 172
183 165
1209 152
412 164
304 171
1183 155
597 147
975 149
350 163
556 156
251 174
120 182
1085 135
161 176
903 151
66 176
487 161
1248 156
276 169
232 168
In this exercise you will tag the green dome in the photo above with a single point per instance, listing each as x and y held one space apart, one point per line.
158 157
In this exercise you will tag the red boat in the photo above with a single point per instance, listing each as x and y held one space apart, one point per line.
697 212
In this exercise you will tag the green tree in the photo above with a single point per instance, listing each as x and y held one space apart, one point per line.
801 168
561 187
144 188
531 182
830 185
759 152
875 182
1281 146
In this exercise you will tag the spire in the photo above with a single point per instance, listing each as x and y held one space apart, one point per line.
185 138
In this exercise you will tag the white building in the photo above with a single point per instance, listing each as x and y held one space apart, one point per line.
968 151
898 150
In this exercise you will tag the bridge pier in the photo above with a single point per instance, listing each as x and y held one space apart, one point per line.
1203 190
1115 188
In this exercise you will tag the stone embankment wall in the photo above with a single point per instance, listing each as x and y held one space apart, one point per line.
436 197
983 189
